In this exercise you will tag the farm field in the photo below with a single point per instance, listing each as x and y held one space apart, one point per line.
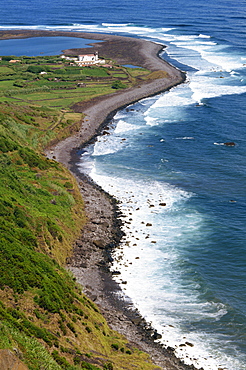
50 86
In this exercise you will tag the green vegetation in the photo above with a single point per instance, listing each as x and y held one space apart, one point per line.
118 85
54 82
44 317
157 74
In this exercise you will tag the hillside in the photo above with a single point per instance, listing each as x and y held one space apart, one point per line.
46 320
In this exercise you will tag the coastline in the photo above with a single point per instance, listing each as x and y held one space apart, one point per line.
102 231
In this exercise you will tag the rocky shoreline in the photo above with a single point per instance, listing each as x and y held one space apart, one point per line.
102 232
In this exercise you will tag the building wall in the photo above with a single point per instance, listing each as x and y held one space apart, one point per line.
88 58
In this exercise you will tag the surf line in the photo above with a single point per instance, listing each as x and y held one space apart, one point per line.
98 113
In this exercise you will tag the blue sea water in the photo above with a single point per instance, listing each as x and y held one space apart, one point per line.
184 262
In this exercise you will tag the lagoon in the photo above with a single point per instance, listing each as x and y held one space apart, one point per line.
36 46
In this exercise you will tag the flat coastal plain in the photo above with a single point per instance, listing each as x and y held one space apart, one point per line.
102 233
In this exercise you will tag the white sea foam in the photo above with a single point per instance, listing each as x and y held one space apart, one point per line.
123 126
151 121
204 36
154 235
224 60
170 107
119 115
115 24
203 84
108 145
209 53
204 87
176 97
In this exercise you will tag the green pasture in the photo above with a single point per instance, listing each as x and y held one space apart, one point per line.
51 81
5 85
5 70
58 98
137 71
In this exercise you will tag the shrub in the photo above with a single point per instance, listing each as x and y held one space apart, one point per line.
25 119
87 366
4 161
36 69
3 117
108 366
38 314
60 71
18 320
33 159
20 217
7 58
76 360
53 229
68 185
71 327
60 360
118 85
62 327
20 83
45 301
88 329
7 145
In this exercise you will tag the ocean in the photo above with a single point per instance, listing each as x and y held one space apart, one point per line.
181 190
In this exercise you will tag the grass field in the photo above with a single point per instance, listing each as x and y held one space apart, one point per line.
51 82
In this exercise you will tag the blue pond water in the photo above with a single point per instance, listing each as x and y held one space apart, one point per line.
38 46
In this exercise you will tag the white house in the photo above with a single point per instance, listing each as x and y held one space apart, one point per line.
87 59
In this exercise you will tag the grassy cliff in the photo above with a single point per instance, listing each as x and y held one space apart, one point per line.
46 320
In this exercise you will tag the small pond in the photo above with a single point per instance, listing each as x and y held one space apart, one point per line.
131 66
